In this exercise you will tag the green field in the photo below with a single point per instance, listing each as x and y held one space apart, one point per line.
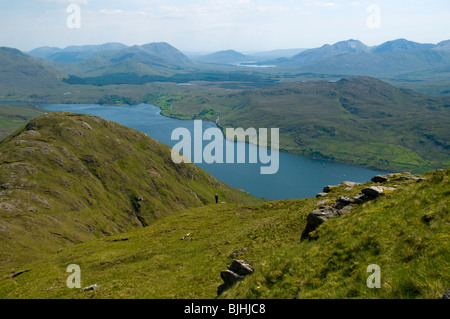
405 232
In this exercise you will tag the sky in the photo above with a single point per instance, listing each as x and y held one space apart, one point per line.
213 25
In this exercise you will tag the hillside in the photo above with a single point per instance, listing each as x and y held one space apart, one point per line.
69 178
443 45
358 120
24 75
404 232
223 57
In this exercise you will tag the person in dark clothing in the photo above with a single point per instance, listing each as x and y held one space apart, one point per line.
217 198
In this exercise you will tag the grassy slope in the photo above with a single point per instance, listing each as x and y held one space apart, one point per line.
358 120
22 75
406 233
68 178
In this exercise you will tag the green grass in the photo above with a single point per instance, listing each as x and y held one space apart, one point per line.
154 262
405 233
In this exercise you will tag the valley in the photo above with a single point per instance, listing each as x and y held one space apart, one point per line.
85 190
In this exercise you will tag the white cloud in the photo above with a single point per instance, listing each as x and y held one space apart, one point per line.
63 1
320 4
272 8
122 12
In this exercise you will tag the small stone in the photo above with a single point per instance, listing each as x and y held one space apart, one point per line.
328 188
93 287
345 210
373 191
185 236
350 184
379 179
345 200
238 251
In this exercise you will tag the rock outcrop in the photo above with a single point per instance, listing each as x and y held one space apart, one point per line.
375 191
317 217
344 204
395 177
380 178
235 272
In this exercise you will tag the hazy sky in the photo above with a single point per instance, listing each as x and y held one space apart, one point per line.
211 25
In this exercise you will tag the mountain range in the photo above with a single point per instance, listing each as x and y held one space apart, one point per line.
95 60
396 60
388 59
75 53
349 57
306 56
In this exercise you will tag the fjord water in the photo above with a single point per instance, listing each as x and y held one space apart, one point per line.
297 176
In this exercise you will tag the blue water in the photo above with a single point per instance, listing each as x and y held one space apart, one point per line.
297 176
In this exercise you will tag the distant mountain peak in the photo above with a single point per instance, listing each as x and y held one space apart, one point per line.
358 84
330 50
443 45
228 52
401 45
12 51
224 57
